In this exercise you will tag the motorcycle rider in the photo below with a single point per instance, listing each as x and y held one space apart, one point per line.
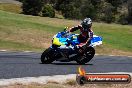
86 32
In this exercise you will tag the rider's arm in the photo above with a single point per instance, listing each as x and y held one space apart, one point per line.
75 28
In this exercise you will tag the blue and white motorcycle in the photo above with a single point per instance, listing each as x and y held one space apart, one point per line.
65 48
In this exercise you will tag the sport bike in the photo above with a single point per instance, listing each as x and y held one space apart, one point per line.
65 48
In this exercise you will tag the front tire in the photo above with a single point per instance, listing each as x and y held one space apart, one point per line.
46 57
86 56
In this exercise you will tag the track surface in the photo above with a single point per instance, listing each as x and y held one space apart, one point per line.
23 64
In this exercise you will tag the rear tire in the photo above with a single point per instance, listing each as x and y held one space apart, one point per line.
46 57
87 55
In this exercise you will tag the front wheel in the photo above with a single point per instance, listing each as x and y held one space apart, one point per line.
46 57
86 56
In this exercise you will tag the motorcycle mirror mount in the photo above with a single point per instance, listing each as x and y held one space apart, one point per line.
65 29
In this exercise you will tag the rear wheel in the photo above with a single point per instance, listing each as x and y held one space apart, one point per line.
46 57
86 56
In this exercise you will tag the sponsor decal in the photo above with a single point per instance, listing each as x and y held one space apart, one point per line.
83 77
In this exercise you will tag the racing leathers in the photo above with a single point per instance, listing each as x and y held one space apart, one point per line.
85 35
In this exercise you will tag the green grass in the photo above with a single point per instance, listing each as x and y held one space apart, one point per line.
10 7
16 45
35 33
117 36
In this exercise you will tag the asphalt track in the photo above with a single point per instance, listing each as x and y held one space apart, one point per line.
27 64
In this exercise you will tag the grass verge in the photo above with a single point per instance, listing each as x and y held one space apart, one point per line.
36 33
9 7
54 85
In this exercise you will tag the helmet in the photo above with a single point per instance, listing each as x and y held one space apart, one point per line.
86 23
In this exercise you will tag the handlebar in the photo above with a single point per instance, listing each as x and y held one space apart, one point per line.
66 34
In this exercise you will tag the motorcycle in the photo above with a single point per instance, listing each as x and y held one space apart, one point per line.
65 48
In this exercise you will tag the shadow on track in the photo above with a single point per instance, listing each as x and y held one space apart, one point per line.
66 63
69 64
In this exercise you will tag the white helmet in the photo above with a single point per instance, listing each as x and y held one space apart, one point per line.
86 23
